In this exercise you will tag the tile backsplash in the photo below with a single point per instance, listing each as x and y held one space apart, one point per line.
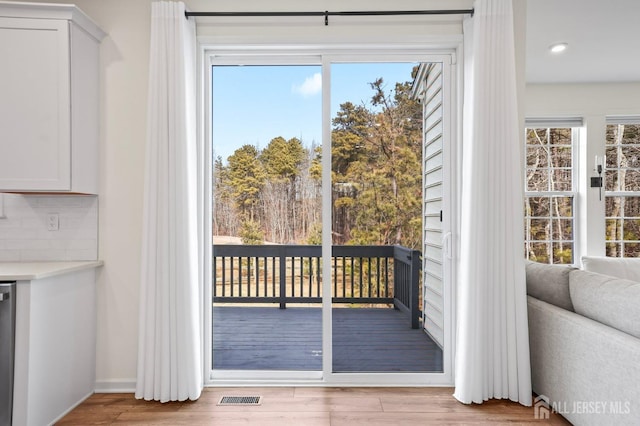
24 234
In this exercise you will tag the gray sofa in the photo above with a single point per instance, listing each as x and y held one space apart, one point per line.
584 332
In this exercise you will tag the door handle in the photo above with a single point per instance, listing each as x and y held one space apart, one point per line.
4 296
446 242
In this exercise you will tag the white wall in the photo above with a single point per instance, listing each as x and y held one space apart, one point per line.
593 102
340 29
583 100
124 67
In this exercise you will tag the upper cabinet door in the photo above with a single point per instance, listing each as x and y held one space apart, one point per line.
35 105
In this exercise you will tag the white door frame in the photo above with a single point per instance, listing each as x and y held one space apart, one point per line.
219 54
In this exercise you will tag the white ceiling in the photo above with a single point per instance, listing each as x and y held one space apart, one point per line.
603 38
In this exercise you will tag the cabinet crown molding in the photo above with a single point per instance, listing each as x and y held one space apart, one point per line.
69 12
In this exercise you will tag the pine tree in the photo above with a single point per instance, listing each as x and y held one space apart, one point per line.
247 177
376 170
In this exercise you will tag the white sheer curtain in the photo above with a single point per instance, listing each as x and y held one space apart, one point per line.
169 350
492 347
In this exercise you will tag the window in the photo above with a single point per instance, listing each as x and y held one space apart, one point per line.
622 188
550 194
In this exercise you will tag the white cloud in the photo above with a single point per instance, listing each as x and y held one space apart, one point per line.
311 86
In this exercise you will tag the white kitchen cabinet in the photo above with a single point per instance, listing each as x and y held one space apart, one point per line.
49 99
55 338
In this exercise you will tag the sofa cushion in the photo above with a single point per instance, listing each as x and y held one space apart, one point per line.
620 267
549 283
608 300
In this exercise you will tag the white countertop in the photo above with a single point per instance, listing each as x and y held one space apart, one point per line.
23 271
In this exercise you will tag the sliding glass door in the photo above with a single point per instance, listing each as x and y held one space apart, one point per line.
322 202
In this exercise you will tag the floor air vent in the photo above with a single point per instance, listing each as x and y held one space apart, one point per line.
240 400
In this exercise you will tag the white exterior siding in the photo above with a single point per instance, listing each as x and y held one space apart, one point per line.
433 160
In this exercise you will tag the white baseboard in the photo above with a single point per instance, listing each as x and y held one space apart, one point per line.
116 386
70 409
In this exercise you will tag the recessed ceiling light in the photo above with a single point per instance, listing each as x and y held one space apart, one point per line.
558 47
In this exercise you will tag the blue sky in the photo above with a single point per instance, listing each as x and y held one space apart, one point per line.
254 104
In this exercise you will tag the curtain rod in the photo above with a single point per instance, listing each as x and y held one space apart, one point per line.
326 13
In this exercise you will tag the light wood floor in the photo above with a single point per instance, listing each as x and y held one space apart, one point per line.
306 406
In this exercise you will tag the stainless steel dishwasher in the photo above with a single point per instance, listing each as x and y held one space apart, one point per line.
7 349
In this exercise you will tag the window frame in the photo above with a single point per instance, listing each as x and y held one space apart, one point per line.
614 121
575 124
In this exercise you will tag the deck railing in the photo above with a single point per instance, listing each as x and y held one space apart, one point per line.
293 274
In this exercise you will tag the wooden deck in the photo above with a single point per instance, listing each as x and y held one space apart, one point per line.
364 340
